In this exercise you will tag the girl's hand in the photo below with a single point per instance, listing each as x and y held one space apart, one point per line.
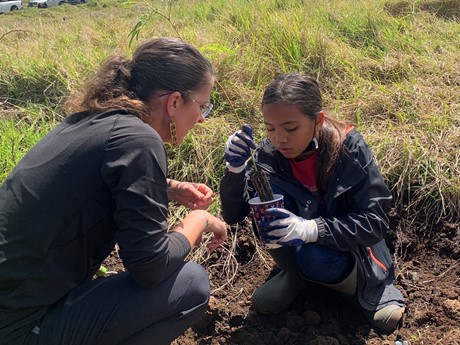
287 229
238 149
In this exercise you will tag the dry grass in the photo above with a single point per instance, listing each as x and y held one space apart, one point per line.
389 66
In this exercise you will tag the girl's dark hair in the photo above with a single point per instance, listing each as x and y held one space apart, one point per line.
304 92
158 64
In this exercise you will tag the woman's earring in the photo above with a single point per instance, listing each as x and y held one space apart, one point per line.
172 130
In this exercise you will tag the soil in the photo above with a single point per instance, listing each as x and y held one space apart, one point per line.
427 260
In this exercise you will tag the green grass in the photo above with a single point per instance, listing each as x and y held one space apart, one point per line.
389 66
20 132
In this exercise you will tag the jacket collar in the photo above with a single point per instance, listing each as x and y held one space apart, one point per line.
347 173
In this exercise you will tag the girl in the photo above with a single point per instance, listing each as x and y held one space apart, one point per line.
333 224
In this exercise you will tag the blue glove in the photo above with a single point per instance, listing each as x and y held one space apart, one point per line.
238 149
287 229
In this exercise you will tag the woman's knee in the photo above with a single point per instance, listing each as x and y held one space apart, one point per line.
199 289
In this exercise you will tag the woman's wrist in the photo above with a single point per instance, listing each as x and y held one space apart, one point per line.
193 226
203 216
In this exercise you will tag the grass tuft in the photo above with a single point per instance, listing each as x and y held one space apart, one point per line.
389 66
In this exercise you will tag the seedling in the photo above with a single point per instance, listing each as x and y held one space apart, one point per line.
260 182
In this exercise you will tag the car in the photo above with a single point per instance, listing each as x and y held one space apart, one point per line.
45 3
10 5
76 2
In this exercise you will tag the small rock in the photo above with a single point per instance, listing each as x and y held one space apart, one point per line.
324 340
251 313
311 317
207 318
416 263
342 339
413 276
451 294
294 321
204 322
284 332
452 308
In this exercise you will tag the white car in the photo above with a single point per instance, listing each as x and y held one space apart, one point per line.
10 5
45 3
76 2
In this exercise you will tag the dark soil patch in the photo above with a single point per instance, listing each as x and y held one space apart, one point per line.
427 272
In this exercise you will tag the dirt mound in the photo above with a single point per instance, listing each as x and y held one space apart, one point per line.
427 262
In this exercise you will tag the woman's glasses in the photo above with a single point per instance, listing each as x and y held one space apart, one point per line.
204 107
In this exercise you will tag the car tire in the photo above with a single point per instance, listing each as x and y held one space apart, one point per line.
14 8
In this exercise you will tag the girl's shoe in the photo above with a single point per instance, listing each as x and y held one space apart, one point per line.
386 318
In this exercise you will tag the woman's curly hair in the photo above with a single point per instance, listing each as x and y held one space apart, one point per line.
158 64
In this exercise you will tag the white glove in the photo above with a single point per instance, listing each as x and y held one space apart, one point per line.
288 229
238 149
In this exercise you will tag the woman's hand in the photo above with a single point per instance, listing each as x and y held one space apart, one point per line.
196 196
219 230
198 222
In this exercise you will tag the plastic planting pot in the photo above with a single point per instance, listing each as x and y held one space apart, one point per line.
260 218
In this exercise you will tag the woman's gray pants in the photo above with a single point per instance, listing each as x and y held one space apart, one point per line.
115 310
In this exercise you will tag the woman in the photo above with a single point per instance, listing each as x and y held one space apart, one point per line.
332 228
100 179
